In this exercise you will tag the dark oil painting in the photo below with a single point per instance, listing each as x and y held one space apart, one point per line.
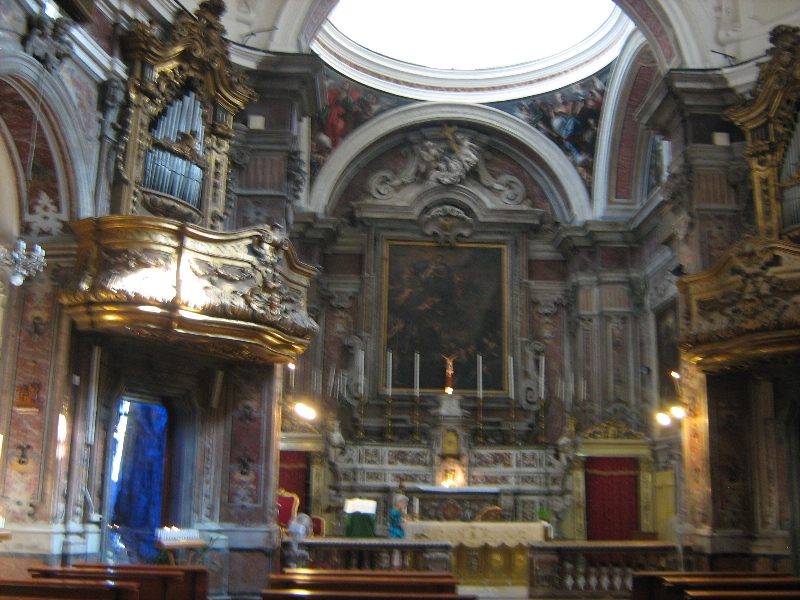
447 303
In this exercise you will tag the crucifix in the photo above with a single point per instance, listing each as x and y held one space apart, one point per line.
448 131
448 372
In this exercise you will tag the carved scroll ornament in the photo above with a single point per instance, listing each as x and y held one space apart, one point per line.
446 159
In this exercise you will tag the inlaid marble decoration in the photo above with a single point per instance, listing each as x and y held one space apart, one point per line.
419 458
492 459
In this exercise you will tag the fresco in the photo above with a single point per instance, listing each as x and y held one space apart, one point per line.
570 116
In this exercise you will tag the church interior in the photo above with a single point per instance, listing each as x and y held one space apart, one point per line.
255 271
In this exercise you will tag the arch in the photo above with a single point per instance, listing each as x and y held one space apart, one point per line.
60 125
615 95
571 196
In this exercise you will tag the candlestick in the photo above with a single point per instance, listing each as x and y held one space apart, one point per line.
511 376
360 371
541 375
480 376
416 373
389 372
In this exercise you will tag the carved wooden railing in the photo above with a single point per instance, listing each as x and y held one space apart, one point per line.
595 568
369 554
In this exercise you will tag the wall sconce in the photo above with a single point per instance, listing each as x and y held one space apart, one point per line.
677 411
304 411
20 262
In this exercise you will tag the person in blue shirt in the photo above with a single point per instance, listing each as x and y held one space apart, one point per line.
397 517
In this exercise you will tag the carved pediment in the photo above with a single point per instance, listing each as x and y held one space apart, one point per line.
744 309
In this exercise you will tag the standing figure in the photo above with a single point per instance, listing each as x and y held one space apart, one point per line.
397 517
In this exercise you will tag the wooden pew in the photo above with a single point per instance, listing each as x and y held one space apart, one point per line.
196 577
673 587
69 588
302 594
154 584
350 573
742 595
431 585
645 583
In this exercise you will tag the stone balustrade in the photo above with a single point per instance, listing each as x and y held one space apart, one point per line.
583 568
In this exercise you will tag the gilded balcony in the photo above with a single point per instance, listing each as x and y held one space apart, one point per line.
745 309
237 295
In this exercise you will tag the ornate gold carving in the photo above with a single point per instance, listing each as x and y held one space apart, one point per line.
747 305
613 429
239 294
767 116
192 60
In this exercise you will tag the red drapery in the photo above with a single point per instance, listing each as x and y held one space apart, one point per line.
292 475
612 504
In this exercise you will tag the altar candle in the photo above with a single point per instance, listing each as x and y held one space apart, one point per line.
541 375
389 373
480 376
360 371
416 374
511 377
416 505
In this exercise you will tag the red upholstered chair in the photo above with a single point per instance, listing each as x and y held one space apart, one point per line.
288 504
319 526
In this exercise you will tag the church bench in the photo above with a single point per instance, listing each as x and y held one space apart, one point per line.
741 595
645 583
436 585
195 577
300 594
154 584
370 573
69 588
674 587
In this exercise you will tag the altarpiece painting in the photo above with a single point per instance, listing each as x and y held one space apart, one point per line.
448 303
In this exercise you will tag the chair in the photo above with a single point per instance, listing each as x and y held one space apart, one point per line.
288 505
318 524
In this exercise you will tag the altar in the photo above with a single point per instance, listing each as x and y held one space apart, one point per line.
485 553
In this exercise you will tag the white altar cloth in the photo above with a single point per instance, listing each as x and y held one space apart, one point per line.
477 533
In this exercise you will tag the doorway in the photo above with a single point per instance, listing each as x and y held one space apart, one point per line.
137 483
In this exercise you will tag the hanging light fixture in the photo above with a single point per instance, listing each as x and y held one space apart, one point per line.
20 262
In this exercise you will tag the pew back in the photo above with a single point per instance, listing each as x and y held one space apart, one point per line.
153 584
304 594
196 577
645 583
69 588
433 585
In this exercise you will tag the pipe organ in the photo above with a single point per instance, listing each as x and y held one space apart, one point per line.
168 169
182 96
